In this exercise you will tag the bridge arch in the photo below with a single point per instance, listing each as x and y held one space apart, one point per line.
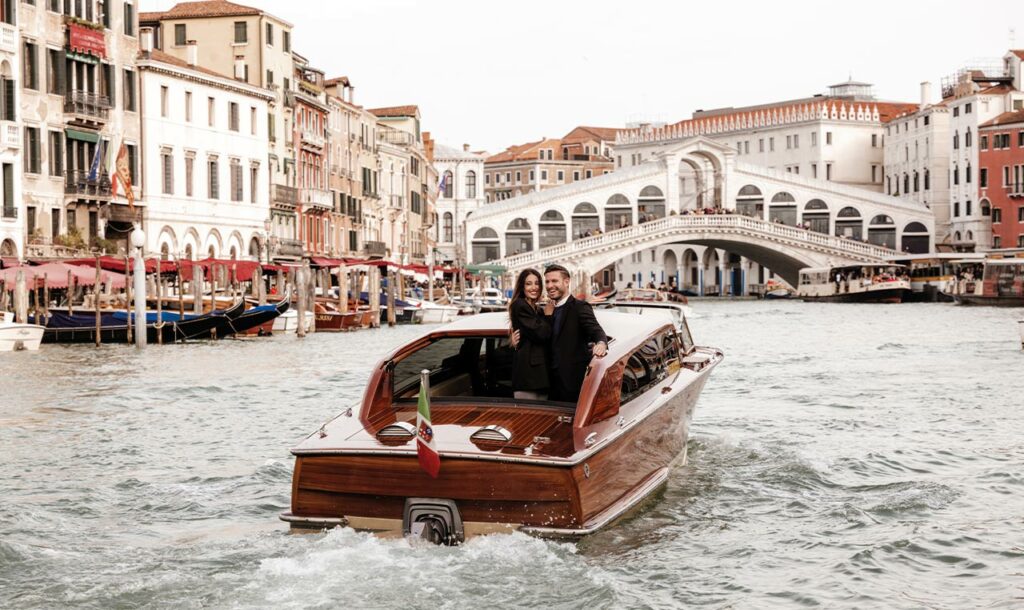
849 223
750 201
585 219
882 231
486 245
816 216
670 263
783 208
650 204
618 212
691 268
167 241
518 237
551 229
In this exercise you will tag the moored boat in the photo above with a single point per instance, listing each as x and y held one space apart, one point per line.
867 283
558 469
16 337
1001 283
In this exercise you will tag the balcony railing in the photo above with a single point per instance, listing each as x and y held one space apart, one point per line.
77 182
10 135
394 136
8 38
288 247
9 213
281 193
375 249
90 105
316 197
312 138
396 201
1015 189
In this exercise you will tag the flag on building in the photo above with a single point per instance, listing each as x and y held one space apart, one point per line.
443 184
426 450
94 167
123 175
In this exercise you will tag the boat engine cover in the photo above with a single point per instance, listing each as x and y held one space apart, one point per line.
434 519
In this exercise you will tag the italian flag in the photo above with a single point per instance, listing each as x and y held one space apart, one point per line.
426 451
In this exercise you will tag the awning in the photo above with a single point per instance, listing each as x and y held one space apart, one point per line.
82 57
83 136
323 261
117 263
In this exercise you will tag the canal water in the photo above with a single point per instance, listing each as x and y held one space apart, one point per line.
841 456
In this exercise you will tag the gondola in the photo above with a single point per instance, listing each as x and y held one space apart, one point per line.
80 327
255 317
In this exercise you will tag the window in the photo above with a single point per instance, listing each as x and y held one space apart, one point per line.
519 177
56 153
828 171
271 127
167 164
189 173
55 71
589 174
967 137
270 78
874 173
983 177
188 106
984 142
575 176
180 36
874 140
31 64
252 120
233 116
997 215
32 160
286 41
211 111
771 144
956 141
129 21
956 111
1020 139
789 142
967 174
133 163
967 208
927 180
241 32
814 138
163 101
212 179
1020 214
956 175
760 145
560 176
236 180
270 34
796 141
129 90
746 147
967 108
927 120
956 208
544 175
997 242
254 179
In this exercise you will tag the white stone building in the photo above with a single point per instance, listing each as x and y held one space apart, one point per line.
917 160
12 211
461 174
205 160
835 137
392 216
973 97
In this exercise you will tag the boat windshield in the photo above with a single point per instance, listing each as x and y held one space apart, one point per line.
460 367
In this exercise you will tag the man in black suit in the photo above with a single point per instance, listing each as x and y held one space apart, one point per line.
574 330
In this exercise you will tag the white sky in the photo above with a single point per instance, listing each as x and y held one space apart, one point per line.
493 74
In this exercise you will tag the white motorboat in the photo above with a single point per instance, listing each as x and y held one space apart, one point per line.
16 337
484 300
433 313
288 322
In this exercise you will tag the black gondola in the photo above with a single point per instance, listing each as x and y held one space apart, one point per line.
81 327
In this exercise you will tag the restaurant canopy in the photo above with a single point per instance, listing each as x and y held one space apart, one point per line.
55 275
243 270
118 264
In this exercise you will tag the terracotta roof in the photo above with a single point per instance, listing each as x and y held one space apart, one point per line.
995 90
151 16
1006 118
337 80
158 55
528 151
396 111
580 133
1019 53
209 8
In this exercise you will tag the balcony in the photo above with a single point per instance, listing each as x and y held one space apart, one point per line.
318 198
9 213
289 99
8 38
396 201
395 137
284 195
375 249
10 135
87 107
1015 189
312 138
288 247
77 182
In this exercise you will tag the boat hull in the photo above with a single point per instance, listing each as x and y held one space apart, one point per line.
887 295
438 315
560 498
17 337
989 301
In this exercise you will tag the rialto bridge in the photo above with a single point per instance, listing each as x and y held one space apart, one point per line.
776 220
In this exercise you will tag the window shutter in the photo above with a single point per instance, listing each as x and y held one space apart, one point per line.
8 185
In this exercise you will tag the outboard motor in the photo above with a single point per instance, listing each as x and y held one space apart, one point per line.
433 519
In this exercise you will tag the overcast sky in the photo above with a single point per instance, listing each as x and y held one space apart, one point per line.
493 74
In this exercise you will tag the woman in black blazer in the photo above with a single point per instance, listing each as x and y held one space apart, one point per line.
530 367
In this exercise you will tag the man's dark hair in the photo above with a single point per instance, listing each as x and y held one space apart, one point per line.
559 268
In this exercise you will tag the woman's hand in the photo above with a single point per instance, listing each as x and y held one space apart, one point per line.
549 307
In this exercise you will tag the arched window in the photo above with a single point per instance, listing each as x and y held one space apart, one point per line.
518 237
986 207
849 223
782 209
650 204
967 174
967 137
816 217
449 183
470 184
750 202
906 183
915 238
917 182
447 228
882 231
188 252
927 180
618 213
254 248
783 197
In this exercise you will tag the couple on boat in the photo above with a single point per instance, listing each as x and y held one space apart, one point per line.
554 339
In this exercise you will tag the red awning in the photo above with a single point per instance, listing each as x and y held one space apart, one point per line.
55 275
243 270
117 263
322 261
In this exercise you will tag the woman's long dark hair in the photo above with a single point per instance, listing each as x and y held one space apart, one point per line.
520 290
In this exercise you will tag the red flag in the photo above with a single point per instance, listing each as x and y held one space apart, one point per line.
123 173
426 450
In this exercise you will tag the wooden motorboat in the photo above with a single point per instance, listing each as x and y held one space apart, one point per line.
881 283
675 312
329 319
15 337
547 468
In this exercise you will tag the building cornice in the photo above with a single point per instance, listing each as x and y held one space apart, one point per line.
224 83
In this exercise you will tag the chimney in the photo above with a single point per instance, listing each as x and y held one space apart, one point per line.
193 53
239 67
146 40
465 148
926 93
352 95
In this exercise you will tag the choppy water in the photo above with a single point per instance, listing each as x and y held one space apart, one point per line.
842 456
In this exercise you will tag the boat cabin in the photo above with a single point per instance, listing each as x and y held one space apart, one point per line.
885 282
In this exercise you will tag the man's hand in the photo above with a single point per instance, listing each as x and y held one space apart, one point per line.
514 339
600 349
549 307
